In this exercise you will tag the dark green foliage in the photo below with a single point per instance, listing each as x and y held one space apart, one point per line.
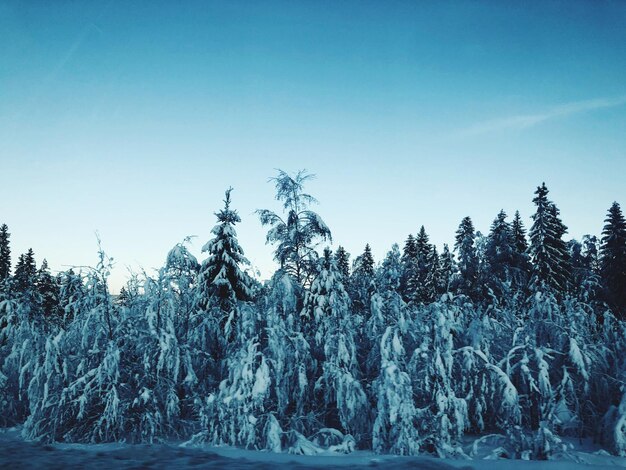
25 271
500 253
360 283
521 260
364 265
421 285
447 270
48 291
221 276
551 267
5 253
468 260
409 269
613 259
342 259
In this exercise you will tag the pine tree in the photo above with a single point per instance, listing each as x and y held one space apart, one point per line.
468 260
521 260
25 271
222 282
518 232
426 267
500 251
431 281
547 248
447 270
360 281
5 253
298 234
48 292
409 269
613 259
342 258
421 243
409 252
364 264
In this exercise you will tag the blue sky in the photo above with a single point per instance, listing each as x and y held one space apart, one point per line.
131 118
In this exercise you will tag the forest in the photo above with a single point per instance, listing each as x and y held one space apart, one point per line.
513 341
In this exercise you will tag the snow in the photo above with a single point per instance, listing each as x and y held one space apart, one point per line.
17 453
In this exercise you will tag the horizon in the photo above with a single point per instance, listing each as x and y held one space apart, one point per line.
132 120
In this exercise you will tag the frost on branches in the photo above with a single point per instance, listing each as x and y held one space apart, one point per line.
514 351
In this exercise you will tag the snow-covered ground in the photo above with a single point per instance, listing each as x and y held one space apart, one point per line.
15 453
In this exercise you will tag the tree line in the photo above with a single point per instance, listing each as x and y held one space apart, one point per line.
514 339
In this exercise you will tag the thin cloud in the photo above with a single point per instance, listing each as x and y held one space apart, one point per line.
524 121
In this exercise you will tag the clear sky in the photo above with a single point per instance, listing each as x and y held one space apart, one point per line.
132 118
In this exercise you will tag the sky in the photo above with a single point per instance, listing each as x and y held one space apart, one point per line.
130 119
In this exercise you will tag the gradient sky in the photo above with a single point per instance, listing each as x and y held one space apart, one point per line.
132 118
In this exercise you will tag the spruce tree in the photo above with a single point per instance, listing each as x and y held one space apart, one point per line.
500 251
48 291
342 258
426 266
431 281
364 264
613 259
409 252
521 260
518 232
25 271
447 270
548 251
222 282
468 261
5 253
361 280
409 269
422 245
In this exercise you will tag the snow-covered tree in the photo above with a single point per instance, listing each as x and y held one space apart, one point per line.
342 258
5 253
333 329
360 285
547 248
467 257
222 282
447 271
297 234
613 258
396 428
25 272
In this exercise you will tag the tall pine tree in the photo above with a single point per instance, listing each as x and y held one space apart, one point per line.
500 251
342 258
521 260
222 282
25 271
548 251
5 253
613 259
468 260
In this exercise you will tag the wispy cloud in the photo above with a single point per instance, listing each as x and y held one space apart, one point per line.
524 121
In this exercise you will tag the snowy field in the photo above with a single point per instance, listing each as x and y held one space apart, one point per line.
15 453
